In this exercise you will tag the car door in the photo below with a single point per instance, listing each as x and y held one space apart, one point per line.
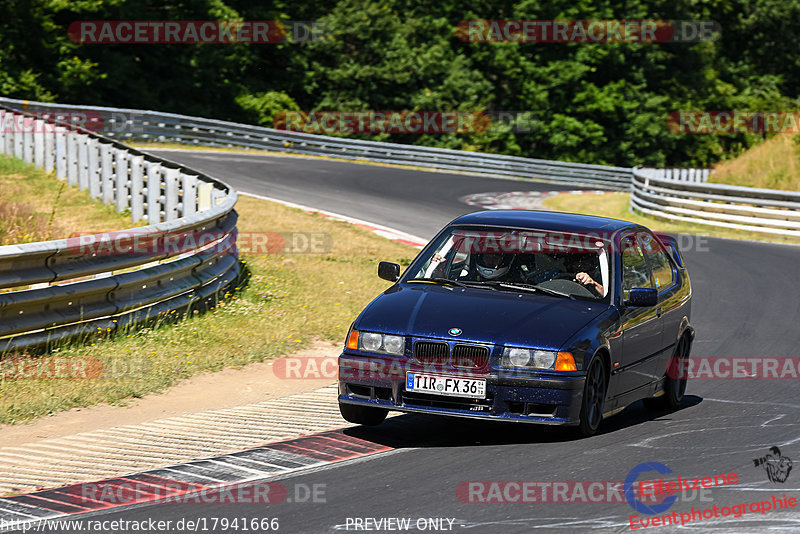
666 281
641 326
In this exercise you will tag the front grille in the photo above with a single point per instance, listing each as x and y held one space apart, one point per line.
447 402
470 356
431 352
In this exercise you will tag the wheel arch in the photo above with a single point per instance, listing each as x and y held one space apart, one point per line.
603 353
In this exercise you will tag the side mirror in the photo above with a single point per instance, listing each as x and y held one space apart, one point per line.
642 296
389 271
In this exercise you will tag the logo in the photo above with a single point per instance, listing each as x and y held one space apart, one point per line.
629 487
454 331
776 465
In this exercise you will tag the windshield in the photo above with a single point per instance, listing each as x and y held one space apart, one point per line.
571 264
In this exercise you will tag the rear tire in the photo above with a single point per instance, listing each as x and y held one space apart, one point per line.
594 396
675 381
362 415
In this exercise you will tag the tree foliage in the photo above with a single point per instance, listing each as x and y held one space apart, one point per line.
596 103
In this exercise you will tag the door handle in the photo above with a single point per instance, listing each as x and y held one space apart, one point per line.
658 311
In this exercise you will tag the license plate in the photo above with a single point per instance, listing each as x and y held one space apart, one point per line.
446 385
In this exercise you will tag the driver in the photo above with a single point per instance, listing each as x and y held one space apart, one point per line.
580 264
492 265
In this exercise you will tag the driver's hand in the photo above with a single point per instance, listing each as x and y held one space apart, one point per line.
584 279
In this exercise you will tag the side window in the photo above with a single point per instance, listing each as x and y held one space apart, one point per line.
663 274
635 271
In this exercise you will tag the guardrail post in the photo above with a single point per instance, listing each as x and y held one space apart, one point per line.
61 152
49 147
18 137
171 195
93 167
27 138
72 158
204 192
122 180
107 172
137 183
83 162
189 197
38 143
153 192
218 196
3 131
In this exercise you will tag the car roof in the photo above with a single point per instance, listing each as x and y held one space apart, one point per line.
544 220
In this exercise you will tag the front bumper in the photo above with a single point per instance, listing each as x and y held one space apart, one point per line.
530 398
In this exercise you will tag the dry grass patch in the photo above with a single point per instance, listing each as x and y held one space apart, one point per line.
774 164
35 206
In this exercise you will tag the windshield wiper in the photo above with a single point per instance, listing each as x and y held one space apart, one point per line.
439 280
456 283
532 288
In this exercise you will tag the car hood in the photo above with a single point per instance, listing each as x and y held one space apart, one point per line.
483 315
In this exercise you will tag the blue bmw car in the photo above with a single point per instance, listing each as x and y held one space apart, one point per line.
528 316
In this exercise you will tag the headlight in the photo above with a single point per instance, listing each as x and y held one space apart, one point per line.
539 359
373 342
393 344
518 357
370 342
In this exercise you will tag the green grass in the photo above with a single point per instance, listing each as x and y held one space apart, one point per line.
617 206
290 301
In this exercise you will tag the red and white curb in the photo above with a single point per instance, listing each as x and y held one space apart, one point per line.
518 200
383 231
217 478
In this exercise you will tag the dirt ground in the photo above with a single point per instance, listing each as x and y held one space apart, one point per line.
210 391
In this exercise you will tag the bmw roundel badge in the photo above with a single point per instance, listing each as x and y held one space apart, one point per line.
454 331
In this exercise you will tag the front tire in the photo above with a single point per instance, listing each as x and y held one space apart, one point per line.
594 396
362 415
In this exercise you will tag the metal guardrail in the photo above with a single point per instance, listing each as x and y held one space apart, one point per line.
743 208
139 125
158 279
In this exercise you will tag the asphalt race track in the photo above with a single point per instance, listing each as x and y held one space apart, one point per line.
746 304
419 203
